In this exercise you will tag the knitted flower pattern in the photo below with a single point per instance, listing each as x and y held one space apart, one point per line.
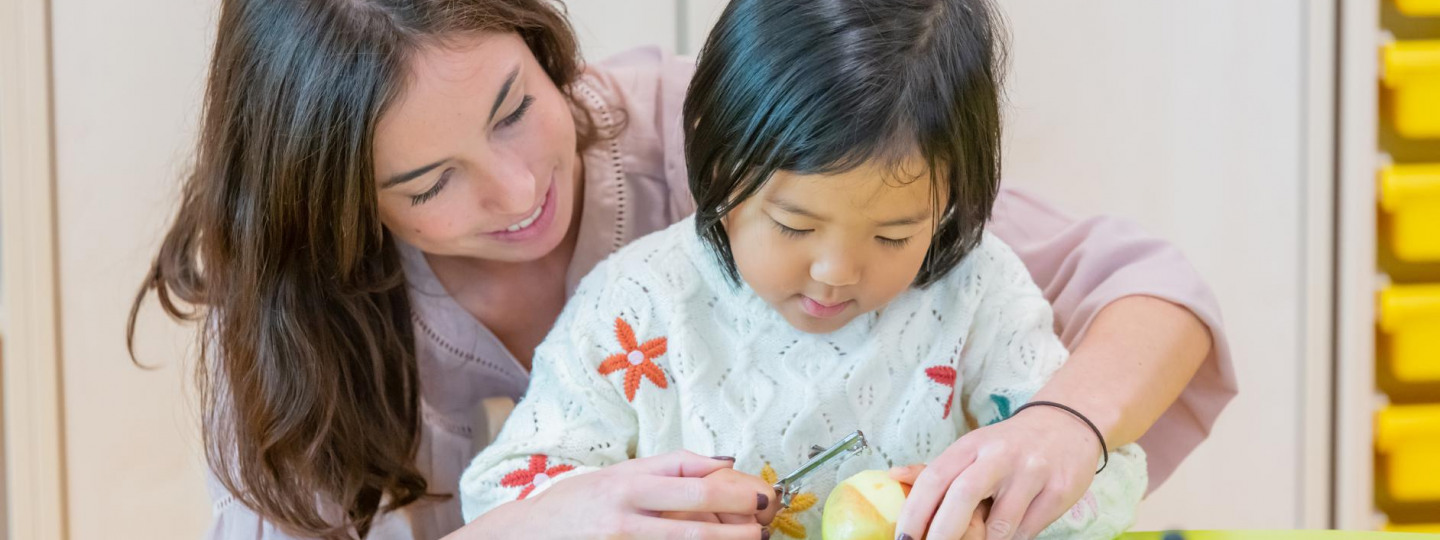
537 475
636 359
944 376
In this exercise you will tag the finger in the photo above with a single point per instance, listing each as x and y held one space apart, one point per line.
736 519
1010 505
929 489
1047 507
767 506
977 483
691 516
976 529
907 474
679 463
771 503
664 494
653 527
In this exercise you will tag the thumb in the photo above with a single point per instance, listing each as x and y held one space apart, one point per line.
680 463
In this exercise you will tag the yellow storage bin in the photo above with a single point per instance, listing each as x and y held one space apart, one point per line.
1410 322
1409 438
1419 8
1412 73
1410 199
1433 528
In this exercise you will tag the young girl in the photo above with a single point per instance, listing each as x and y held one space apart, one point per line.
835 277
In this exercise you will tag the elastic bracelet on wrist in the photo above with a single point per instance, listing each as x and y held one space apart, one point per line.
1104 449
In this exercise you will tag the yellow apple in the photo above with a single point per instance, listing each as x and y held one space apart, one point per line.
864 507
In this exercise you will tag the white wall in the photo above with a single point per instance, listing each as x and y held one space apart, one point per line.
127 81
606 27
1187 117
4 505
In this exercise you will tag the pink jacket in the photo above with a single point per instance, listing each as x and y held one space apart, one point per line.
636 184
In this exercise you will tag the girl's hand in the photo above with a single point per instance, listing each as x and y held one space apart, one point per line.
631 500
1035 466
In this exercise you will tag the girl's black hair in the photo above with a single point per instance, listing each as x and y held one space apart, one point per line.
823 86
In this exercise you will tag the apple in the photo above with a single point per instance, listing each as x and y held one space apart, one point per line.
864 507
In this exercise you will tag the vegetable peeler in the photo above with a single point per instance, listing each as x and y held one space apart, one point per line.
789 486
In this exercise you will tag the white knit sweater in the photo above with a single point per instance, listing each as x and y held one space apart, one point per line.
711 368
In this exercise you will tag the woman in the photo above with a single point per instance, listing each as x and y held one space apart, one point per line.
392 200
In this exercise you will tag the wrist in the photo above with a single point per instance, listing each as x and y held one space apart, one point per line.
504 521
1105 407
1084 433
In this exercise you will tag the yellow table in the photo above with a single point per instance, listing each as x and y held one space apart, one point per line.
1280 535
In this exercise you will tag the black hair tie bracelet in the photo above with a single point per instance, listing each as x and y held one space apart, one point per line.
1104 450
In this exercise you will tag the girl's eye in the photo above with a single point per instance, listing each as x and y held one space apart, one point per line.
789 232
439 185
518 114
893 242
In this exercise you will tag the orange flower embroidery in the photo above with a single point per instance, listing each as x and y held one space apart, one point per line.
944 376
637 360
785 521
537 475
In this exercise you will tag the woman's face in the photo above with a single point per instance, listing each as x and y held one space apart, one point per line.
477 157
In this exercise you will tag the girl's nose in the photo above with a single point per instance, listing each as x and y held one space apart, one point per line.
835 269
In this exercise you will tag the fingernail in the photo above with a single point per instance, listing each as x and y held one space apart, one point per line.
904 536
765 534
723 458
761 501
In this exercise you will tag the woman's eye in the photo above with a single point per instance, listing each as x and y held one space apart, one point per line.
519 113
433 191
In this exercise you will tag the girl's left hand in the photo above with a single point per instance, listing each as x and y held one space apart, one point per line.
1035 466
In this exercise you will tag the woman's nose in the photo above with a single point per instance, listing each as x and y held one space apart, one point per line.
507 187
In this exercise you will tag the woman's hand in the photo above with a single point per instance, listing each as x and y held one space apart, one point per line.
1035 466
975 530
748 481
667 496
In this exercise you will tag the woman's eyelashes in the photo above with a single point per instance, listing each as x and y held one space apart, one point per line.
509 120
519 113
434 190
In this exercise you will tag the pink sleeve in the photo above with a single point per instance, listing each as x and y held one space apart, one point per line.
233 520
1082 266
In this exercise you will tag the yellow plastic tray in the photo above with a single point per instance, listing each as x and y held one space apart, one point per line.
1412 73
1410 324
1418 8
1433 528
1409 438
1275 535
1410 198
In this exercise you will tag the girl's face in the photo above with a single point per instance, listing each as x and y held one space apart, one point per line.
823 250
477 157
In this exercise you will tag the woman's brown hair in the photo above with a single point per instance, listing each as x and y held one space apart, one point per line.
307 373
